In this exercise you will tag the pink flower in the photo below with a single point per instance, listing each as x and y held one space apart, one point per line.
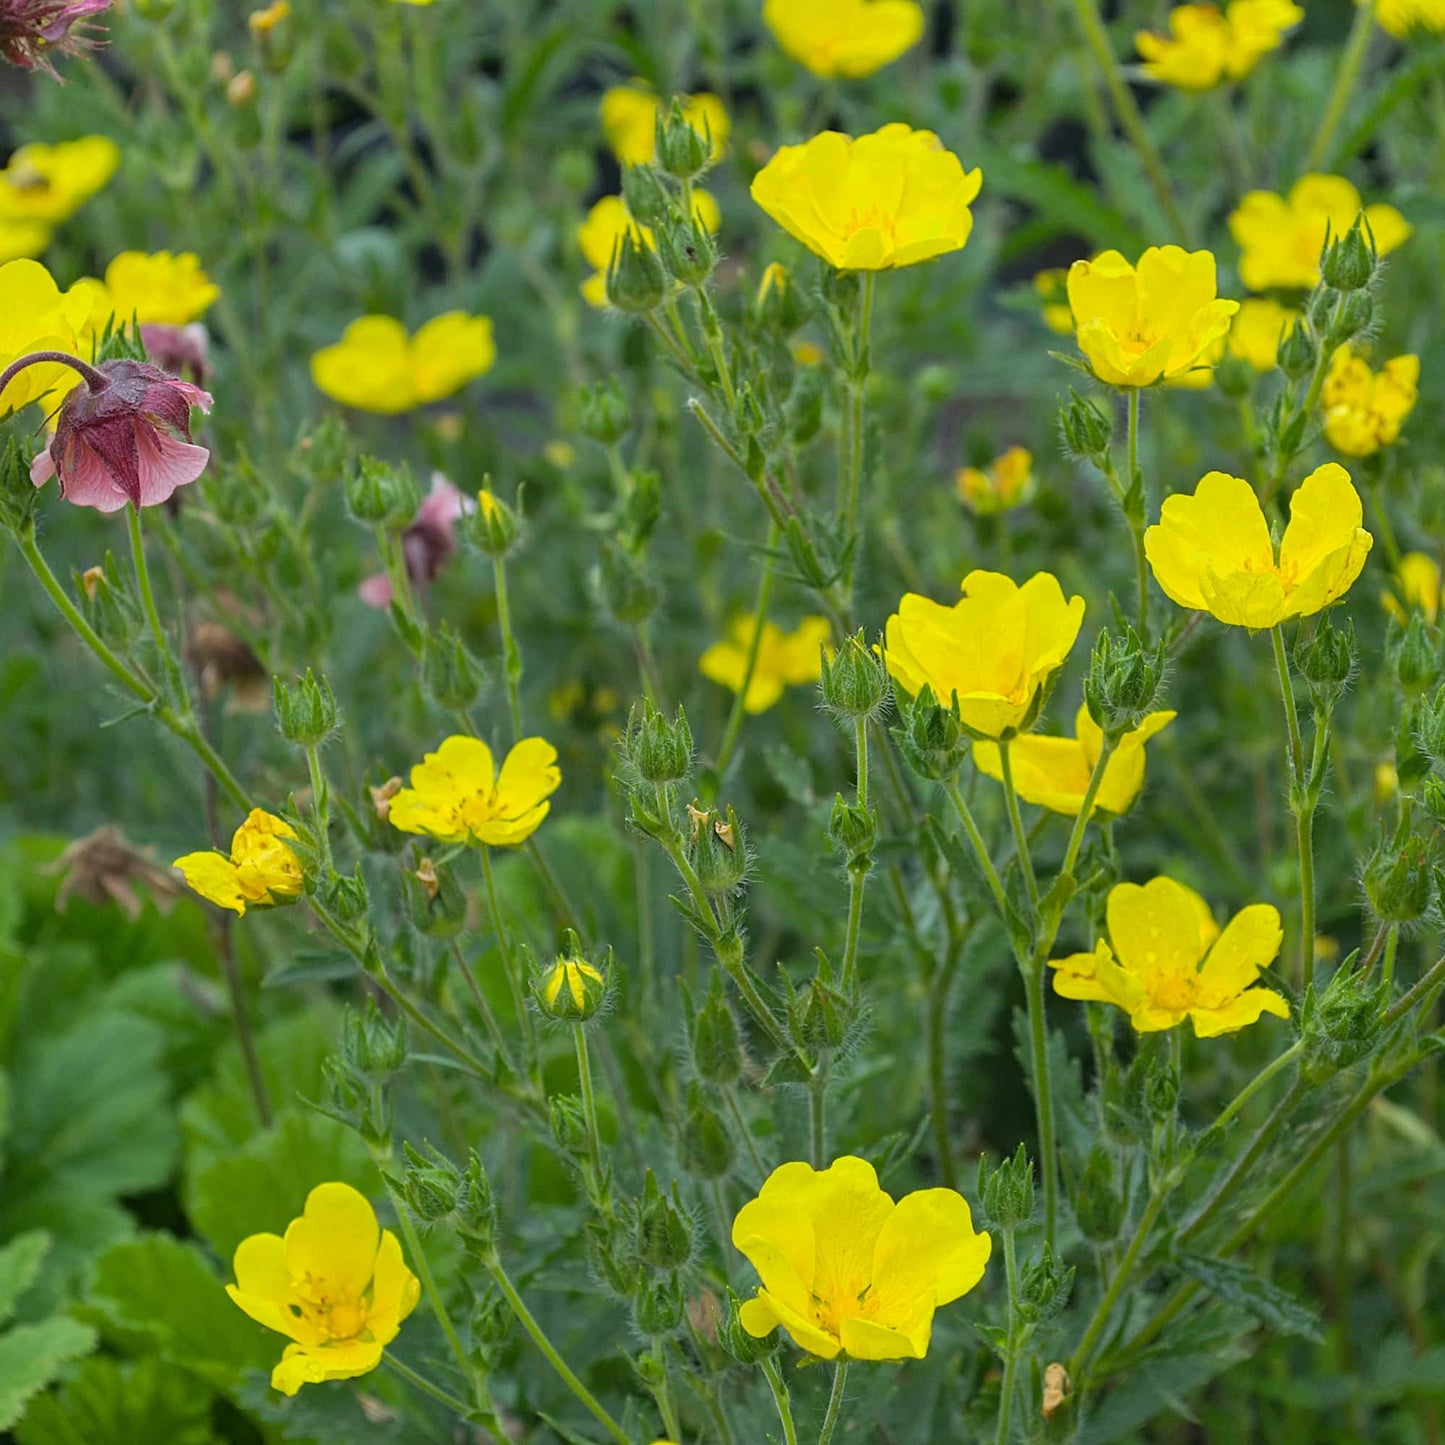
178 349
125 436
30 28
427 542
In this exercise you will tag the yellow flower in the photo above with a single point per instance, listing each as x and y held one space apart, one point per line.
1401 17
996 648
35 315
845 1269
1169 961
1259 326
48 183
1055 772
457 796
629 121
1052 288
1281 237
1364 409
1212 552
1008 483
892 198
1418 583
336 1285
851 38
159 289
1387 782
262 22
377 367
1207 46
262 869
785 659
1139 325
609 221
22 239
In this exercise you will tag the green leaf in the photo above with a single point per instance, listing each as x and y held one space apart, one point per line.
20 1262
31 1357
1238 1285
110 1402
262 1186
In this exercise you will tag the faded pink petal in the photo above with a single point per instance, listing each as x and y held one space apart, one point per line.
165 463
42 468
86 481
431 538
375 591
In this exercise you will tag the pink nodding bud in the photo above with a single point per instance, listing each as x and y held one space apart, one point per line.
427 542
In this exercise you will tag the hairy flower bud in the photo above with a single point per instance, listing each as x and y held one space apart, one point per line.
1340 1025
704 1147
1008 1191
746 1349
655 749
1327 661
306 712
1355 315
432 1185
635 279
648 201
573 989
716 848
1124 682
855 682
346 895
1297 353
452 676
1087 428
433 899
688 249
372 1046
682 151
931 737
603 413
1045 1285
1399 876
381 495
827 1014
658 1306
475 1215
567 1123
853 831
494 526
1429 726
1348 263
717 1053
1414 656
661 1230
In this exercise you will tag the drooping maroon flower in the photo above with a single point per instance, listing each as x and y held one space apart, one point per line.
124 436
31 29
427 542
180 350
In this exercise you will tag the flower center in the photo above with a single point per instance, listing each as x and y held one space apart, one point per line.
1175 993
851 1301
873 218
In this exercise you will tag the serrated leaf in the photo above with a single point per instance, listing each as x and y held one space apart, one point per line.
20 1262
110 1402
1238 1285
31 1357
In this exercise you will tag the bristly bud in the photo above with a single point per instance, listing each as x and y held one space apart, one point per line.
603 413
931 737
658 1306
1348 263
1432 799
1086 427
475 1215
567 1122
1399 876
853 831
682 152
306 713
372 1046
1341 1025
635 279
381 495
639 507
1161 1089
828 1014
573 989
780 306
1430 727
704 1146
716 848
1327 661
717 1051
1124 681
109 604
432 1185
345 895
854 682
1045 1285
746 1349
661 1229
1356 313
1008 1191
452 676
18 497
1297 353
648 200
626 591
688 249
655 749
494 526
1097 1205
1414 654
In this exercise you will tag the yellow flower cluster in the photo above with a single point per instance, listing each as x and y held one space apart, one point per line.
377 367
846 38
458 796
629 121
1207 46
43 185
1418 583
785 659
261 870
1259 326
1363 409
1007 482
609 222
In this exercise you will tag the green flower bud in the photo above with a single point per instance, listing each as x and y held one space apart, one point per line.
931 737
620 1275
635 279
1399 876
573 989
1327 661
372 1047
654 749
1008 1191
661 1228
1432 799
18 496
1297 353
306 713
688 249
1045 1285
323 453
1124 682
1429 727
704 1147
494 526
432 1185
855 682
1414 655
1356 312
1348 263
1233 376
1087 428
657 1308
567 1123
475 1215
1341 1025
451 675
648 199
603 413
827 1014
108 602
640 509
853 831
1161 1089
717 1052
717 849
682 152
746 1349
627 592
381 495
1097 1206
345 896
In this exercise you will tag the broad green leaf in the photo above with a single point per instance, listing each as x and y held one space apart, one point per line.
1236 1284
111 1402
31 1356
80 1227
20 1262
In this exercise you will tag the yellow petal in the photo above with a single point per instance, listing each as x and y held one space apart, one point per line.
1249 943
1238 1013
927 1251
1156 929
334 1242
529 775
394 1291
865 1339
1324 546
215 878
1217 533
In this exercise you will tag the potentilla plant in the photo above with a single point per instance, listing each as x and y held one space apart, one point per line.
829 872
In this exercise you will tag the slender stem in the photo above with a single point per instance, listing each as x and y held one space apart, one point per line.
509 959
589 1104
755 644
835 1402
1392 945
1351 59
818 1114
1011 1357
1043 1094
1085 1348
662 1392
241 1017
1301 786
1086 807
936 1026
853 477
1341 1248
539 1338
1136 521
1016 822
730 1102
511 654
94 379
773 1373
489 1019
421 1383
320 806
857 869
1428 983
980 849
1126 109
177 683
1257 1083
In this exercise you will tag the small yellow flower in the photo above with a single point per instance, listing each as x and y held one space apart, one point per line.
262 22
1387 782
996 648
785 659
22 239
609 221
1055 772
159 289
1401 18
892 198
845 1269
457 796
1363 409
1281 237
336 1285
1052 289
1169 961
572 989
849 38
35 315
262 869
1207 46
49 184
1154 322
1418 584
629 121
377 367
1259 326
1212 552
1007 483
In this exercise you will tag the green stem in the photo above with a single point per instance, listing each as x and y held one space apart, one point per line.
539 1338
1016 822
589 1105
773 1373
662 1393
511 654
1257 1083
835 1402
320 808
1011 1358
980 849
1136 522
1043 1093
1130 118
858 869
420 1382
730 1101
489 1019
1086 807
853 477
178 690
755 643
1301 789
818 1114
1351 59
1085 1348
509 960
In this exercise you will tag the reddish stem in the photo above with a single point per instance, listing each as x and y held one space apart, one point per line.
95 380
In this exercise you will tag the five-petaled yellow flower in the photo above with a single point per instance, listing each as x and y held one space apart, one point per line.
36 315
995 649
1008 482
1259 326
336 1285
1418 585
845 1269
458 796
1212 552
1207 46
629 121
1157 321
785 659
1281 237
47 184
160 289
1363 410
262 869
1055 772
377 367
1166 960
849 38
609 221
1404 17
892 198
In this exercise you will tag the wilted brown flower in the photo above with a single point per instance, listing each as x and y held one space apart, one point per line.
381 797
1056 1388
220 659
105 867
